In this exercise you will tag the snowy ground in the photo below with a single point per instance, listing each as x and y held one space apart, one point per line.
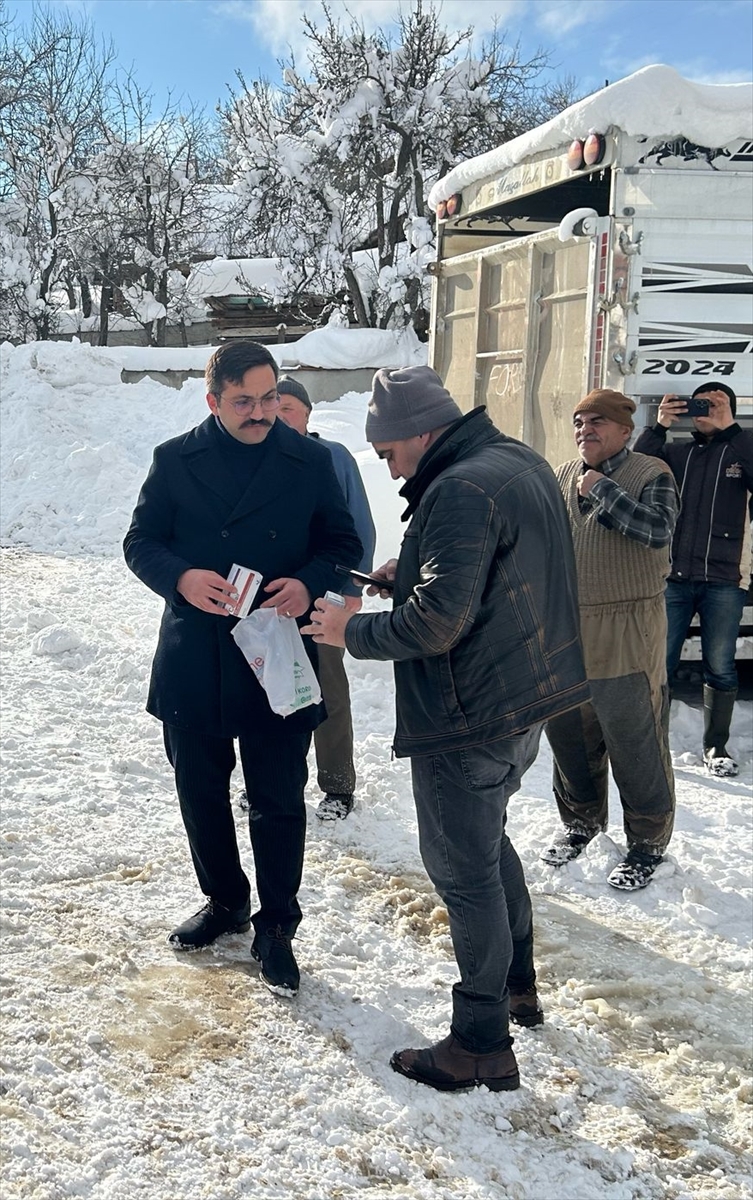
130 1071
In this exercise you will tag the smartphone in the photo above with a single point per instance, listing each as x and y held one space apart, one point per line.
384 585
697 407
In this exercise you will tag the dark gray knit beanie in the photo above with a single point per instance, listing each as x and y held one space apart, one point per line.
293 388
406 402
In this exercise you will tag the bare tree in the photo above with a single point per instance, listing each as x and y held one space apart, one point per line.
153 206
333 169
50 123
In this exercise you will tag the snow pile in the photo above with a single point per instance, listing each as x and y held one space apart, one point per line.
330 348
348 349
77 442
130 1071
654 102
237 277
157 358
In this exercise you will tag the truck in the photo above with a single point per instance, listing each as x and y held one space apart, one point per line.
611 247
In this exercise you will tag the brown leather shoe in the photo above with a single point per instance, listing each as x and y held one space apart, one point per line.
525 1008
448 1067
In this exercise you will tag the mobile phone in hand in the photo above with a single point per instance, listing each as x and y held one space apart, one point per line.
697 407
384 585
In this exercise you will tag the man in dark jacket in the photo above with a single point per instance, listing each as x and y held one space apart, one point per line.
333 739
239 488
714 472
484 635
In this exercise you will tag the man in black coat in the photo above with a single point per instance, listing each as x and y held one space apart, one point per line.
239 488
714 472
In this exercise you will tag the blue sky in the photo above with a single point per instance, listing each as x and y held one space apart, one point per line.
194 47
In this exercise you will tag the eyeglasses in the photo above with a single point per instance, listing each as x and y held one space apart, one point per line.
247 404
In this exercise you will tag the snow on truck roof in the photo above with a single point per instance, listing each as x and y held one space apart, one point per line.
654 102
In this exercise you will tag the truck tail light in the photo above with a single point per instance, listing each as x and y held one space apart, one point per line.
594 149
449 208
575 160
586 152
453 204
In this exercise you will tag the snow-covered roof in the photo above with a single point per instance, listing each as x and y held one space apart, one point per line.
328 348
349 349
654 102
236 277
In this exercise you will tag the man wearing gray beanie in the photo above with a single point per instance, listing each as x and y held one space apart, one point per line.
484 636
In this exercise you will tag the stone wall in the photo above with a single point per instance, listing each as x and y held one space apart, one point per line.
322 385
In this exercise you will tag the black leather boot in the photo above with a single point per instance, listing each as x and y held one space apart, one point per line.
208 924
717 715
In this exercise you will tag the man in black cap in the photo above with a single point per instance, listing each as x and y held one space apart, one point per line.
714 471
484 636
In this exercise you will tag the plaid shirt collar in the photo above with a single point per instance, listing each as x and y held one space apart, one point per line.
610 465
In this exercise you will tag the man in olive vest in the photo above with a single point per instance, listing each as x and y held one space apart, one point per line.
623 508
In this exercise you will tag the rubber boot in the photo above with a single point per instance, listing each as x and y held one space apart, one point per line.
717 714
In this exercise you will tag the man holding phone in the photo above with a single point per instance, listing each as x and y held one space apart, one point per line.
714 471
483 633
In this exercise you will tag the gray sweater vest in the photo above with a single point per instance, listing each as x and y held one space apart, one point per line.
612 567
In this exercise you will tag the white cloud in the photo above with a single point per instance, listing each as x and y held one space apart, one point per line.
279 21
560 17
698 70
703 71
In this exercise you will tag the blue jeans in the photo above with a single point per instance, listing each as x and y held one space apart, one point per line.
461 798
719 607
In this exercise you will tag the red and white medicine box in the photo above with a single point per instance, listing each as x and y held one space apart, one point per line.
246 583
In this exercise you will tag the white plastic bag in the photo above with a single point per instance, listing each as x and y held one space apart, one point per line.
274 650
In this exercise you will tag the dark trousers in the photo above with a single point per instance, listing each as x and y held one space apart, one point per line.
720 608
621 728
333 739
275 774
461 798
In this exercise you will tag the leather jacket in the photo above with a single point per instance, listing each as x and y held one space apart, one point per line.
485 629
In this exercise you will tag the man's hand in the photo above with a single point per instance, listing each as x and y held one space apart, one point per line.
386 571
671 409
353 604
587 480
328 623
207 590
720 410
292 598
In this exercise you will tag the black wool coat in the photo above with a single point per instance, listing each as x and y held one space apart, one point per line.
290 521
